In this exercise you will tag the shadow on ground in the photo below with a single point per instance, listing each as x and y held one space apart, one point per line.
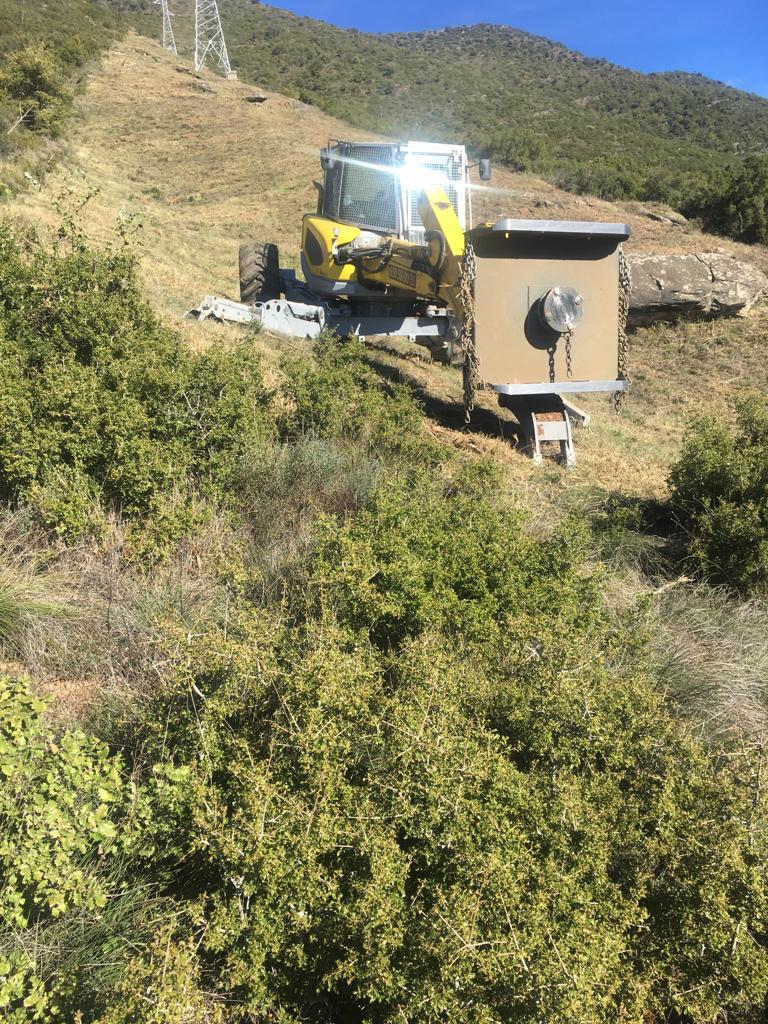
447 412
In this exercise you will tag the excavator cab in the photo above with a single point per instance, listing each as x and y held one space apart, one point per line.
377 189
378 186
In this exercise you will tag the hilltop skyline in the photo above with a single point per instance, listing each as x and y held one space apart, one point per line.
723 42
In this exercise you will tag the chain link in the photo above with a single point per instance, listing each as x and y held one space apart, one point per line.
551 353
625 290
471 370
568 336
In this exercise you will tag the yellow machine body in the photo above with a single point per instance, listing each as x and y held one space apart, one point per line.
404 269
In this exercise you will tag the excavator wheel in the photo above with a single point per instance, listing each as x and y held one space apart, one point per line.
259 272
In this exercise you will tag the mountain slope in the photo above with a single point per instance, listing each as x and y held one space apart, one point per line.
528 101
200 170
356 737
74 29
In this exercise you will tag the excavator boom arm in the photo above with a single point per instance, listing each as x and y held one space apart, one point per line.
429 270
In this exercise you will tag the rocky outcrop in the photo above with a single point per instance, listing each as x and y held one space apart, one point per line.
666 217
692 285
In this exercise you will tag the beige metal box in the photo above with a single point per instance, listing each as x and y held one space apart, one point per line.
518 262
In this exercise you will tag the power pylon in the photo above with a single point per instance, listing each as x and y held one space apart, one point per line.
168 41
209 36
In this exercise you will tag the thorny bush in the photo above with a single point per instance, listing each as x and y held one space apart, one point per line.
100 404
720 489
429 777
442 786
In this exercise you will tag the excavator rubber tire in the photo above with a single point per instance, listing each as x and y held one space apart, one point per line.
259 272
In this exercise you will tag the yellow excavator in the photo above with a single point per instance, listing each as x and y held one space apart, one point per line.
382 253
386 232
538 307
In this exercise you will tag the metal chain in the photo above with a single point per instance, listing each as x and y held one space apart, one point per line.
471 371
568 353
625 290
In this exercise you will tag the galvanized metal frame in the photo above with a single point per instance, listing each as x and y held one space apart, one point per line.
209 36
169 43
573 387
574 228
417 154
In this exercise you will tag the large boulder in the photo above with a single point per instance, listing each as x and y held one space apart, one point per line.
692 285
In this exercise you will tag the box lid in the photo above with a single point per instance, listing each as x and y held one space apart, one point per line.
573 228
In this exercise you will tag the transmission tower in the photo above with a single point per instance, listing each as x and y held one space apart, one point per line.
209 37
168 41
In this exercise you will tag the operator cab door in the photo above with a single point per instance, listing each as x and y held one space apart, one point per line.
362 187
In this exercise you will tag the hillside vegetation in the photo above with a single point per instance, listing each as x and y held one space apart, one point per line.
592 126
74 29
523 99
196 171
43 51
371 749
316 704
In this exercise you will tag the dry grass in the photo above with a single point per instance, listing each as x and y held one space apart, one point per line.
201 169
711 656
90 627
97 631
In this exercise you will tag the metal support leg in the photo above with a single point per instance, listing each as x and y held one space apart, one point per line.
543 418
575 414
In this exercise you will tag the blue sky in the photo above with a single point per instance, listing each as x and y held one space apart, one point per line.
724 39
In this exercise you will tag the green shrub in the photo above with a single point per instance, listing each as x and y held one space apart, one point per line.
33 82
428 793
74 30
720 489
164 987
102 407
65 816
735 202
339 395
101 404
413 562
608 178
38 78
520 150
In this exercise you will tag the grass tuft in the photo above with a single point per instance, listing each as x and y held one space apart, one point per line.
710 653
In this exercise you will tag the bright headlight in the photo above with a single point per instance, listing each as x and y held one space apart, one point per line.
562 308
365 240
